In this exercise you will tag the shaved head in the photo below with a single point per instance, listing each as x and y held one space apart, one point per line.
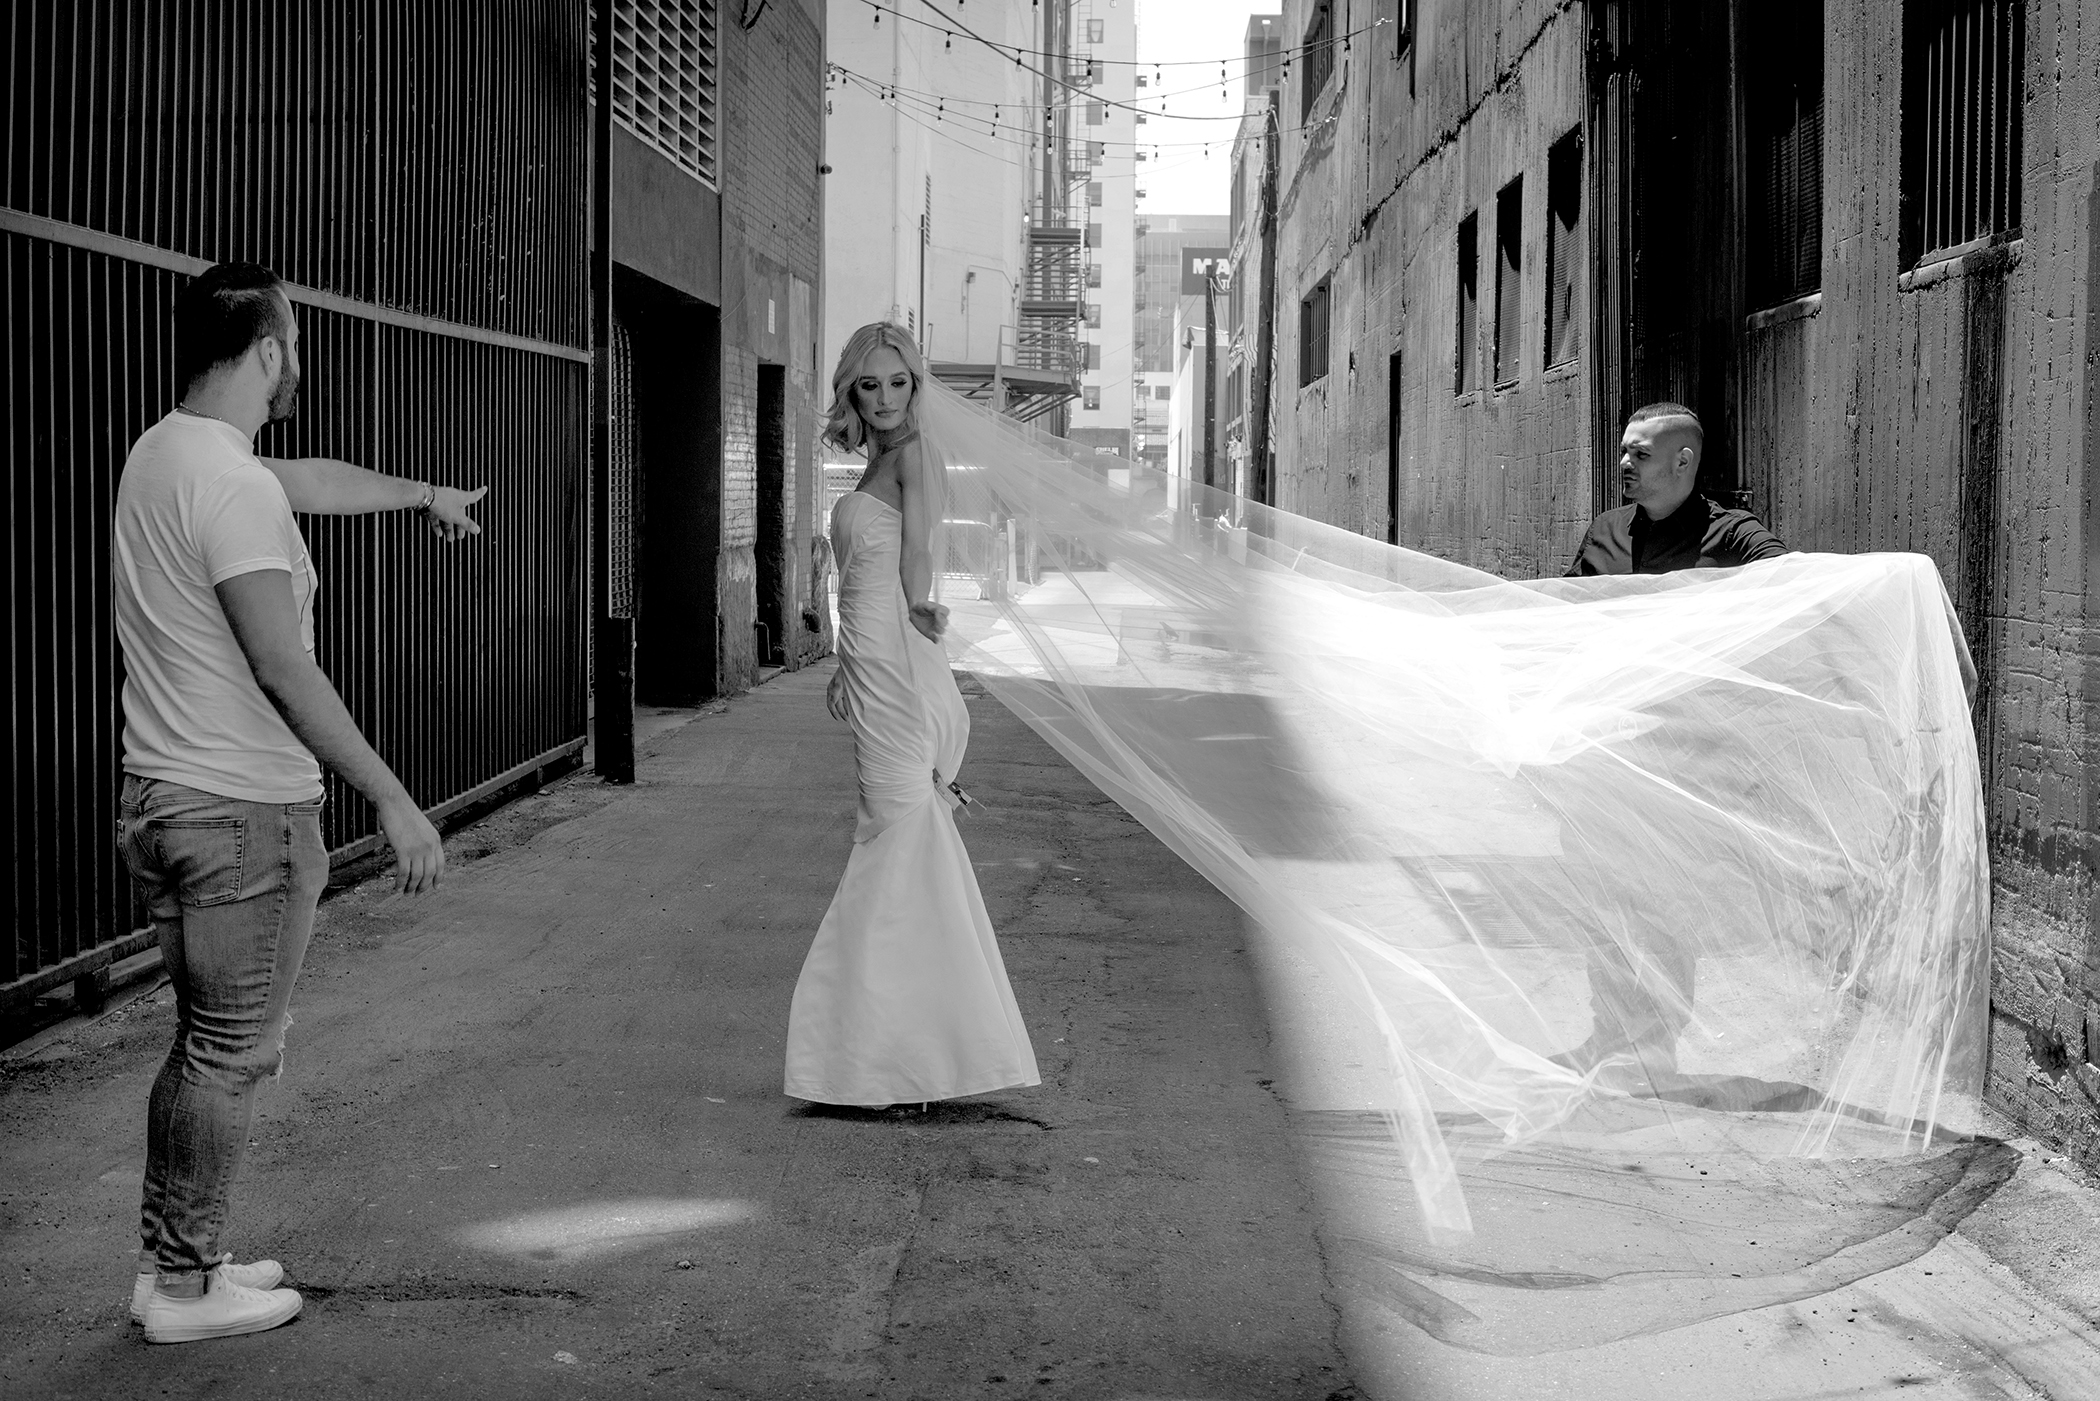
1659 456
1672 419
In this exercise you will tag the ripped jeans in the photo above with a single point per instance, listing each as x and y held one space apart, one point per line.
232 886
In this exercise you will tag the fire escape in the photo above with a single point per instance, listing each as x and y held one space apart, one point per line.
1047 355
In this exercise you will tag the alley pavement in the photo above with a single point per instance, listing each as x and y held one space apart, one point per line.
531 1142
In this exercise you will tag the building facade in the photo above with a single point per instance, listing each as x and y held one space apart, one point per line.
1858 236
423 180
1103 58
1159 301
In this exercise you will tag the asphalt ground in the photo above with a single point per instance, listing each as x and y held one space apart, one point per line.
531 1140
531 1143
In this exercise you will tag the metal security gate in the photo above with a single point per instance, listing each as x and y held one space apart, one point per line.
417 172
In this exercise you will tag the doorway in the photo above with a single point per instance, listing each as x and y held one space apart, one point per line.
772 547
676 373
1392 448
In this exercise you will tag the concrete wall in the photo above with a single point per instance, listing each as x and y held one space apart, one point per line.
887 155
1372 188
1947 409
1902 368
772 94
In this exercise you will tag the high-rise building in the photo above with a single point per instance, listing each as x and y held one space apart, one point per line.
1102 74
1161 241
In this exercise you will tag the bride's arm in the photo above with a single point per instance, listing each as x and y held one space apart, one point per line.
915 563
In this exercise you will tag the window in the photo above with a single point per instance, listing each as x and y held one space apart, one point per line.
1143 81
1093 315
1563 213
1096 113
1090 398
1093 235
1096 152
1964 62
1093 275
1162 391
1403 27
1312 336
1783 122
1097 31
1093 193
1318 59
1468 301
1509 277
1093 355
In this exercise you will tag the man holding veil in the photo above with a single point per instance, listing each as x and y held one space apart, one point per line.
1641 989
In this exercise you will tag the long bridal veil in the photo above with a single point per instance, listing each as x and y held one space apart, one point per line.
1499 820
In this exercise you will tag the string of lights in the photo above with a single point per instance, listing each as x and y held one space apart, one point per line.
938 107
961 135
1045 55
950 27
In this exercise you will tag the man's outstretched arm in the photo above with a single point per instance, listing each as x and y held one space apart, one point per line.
323 486
265 623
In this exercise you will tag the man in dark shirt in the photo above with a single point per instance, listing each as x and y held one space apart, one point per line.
1666 524
1641 989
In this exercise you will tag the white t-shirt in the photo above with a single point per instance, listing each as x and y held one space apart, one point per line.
196 507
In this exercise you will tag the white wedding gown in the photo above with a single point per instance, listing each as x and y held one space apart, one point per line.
903 996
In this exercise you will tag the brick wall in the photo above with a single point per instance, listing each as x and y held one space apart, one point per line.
772 93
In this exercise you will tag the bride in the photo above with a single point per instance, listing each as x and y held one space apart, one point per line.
903 996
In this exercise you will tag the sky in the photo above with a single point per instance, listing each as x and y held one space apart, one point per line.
1183 180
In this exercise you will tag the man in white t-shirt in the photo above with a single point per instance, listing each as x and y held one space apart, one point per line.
227 720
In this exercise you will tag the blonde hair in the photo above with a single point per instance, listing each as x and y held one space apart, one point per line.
844 428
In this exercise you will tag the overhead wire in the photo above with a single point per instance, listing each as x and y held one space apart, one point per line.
935 104
956 24
950 26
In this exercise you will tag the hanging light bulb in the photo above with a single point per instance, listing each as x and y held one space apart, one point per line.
940 113
949 41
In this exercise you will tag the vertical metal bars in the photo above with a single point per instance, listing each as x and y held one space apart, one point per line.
1963 64
425 160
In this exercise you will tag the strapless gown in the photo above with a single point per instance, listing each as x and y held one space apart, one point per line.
903 996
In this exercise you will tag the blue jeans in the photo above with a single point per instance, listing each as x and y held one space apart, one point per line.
232 887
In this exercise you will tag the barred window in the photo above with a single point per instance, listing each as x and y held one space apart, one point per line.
1783 117
1462 378
1964 63
1509 277
1312 335
1093 355
665 80
1563 213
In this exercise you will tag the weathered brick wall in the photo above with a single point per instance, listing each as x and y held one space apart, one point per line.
1497 477
772 87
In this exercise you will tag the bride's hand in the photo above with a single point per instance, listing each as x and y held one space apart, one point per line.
835 697
931 619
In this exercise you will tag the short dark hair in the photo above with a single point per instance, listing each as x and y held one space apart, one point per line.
228 308
1667 409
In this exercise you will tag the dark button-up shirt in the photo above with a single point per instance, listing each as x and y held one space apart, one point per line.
1700 534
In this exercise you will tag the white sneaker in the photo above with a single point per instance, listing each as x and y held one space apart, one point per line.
224 1310
263 1274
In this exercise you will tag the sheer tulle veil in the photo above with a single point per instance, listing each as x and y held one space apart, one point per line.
1456 798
